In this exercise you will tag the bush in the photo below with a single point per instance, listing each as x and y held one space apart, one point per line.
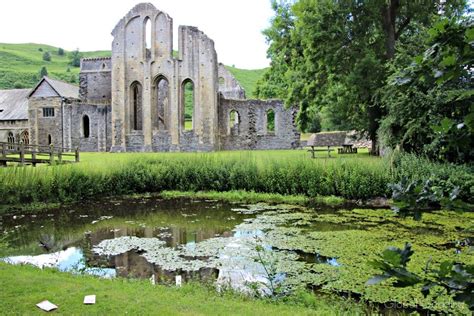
47 56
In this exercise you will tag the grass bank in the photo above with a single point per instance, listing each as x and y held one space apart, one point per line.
254 197
291 172
25 286
275 172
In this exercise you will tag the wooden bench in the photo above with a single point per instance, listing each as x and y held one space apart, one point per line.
347 149
313 150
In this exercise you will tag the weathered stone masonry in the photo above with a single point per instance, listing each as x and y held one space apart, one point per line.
135 100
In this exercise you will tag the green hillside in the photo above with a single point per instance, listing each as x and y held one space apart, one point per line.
20 66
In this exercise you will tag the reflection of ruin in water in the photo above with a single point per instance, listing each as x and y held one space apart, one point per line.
132 265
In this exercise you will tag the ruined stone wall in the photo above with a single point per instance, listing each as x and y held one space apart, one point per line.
95 79
229 87
133 64
250 132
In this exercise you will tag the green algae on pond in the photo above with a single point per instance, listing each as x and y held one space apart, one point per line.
213 241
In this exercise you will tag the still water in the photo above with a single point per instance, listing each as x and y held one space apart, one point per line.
157 239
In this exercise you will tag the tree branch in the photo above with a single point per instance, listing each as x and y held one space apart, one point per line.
402 27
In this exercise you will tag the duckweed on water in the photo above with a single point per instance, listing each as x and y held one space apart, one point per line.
289 235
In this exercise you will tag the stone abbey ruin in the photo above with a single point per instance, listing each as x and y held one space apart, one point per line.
135 100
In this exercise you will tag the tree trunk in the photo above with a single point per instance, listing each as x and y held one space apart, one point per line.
389 16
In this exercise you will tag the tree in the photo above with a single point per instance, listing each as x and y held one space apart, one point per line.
430 99
43 72
335 54
60 52
47 56
75 58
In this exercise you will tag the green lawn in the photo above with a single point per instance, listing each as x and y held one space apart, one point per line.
24 286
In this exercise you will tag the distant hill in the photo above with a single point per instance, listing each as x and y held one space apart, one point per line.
20 66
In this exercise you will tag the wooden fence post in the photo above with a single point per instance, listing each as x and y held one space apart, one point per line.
51 154
22 154
77 154
33 153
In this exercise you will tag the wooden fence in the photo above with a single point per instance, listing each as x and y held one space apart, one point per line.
25 154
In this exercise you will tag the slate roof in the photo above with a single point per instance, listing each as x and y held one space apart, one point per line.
63 89
14 104
325 139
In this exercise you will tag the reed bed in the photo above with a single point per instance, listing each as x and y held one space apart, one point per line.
279 172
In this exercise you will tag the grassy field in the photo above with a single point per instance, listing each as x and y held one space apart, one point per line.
20 65
24 286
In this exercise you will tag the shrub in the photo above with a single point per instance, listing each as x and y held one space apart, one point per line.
47 56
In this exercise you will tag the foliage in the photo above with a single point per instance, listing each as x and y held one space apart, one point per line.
416 196
445 177
43 72
429 96
60 51
75 58
334 56
274 286
47 56
393 263
454 278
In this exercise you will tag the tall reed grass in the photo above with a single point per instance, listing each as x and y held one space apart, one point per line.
282 172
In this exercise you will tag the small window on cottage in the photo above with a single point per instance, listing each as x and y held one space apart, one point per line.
50 139
85 126
221 81
48 112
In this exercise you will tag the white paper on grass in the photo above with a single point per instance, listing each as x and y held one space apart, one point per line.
178 280
89 299
46 306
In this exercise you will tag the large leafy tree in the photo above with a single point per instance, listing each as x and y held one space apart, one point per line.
334 55
430 102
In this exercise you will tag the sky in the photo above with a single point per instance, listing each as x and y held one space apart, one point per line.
235 26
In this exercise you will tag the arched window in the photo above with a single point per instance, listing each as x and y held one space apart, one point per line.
85 126
234 122
136 117
50 139
188 102
147 38
160 119
271 121
25 138
10 140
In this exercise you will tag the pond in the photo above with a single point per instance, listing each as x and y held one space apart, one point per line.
258 248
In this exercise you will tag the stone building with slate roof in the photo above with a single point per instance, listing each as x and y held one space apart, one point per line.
135 100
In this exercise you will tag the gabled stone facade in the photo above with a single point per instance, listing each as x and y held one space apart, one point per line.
135 100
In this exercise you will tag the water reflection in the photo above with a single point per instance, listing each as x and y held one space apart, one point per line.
156 239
